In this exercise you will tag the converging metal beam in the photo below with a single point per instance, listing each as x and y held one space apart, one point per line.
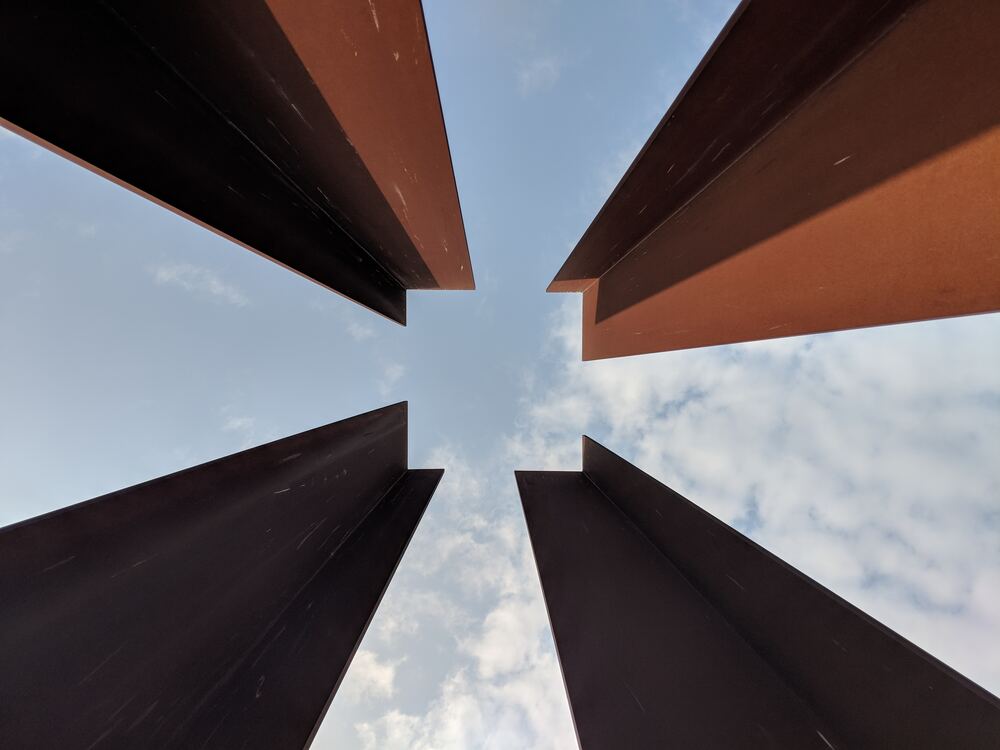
310 132
216 607
675 630
827 167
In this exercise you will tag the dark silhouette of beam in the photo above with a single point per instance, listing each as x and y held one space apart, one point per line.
217 607
827 167
675 630
308 131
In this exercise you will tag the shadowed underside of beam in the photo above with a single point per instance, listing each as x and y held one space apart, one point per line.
217 607
827 167
307 131
675 630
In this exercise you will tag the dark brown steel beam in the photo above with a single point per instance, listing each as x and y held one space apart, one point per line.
827 167
216 607
307 131
675 630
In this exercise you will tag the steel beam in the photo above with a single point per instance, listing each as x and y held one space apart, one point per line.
217 607
308 131
827 167
675 630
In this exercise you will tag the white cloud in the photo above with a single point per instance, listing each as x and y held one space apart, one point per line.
199 280
511 696
391 375
321 301
359 331
509 640
369 677
242 426
538 75
401 614
525 711
238 424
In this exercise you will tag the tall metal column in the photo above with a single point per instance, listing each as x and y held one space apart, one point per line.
828 166
217 607
675 630
308 131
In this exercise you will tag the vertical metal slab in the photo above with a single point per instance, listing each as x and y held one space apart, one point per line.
216 607
611 545
647 662
827 168
378 80
246 124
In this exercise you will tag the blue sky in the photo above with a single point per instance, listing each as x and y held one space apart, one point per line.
134 343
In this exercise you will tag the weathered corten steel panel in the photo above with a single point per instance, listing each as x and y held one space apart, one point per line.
855 184
675 630
216 607
378 79
647 662
292 128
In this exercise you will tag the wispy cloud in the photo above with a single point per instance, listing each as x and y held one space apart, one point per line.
327 304
359 331
245 427
238 424
538 75
391 375
199 280
370 677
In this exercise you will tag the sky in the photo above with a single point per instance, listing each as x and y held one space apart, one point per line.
134 343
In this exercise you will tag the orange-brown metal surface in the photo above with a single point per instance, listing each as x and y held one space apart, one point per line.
768 59
371 61
309 132
876 201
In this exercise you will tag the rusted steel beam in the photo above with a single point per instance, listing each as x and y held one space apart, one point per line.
827 167
675 630
310 132
216 607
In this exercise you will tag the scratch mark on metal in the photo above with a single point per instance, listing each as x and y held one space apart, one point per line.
634 696
56 565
